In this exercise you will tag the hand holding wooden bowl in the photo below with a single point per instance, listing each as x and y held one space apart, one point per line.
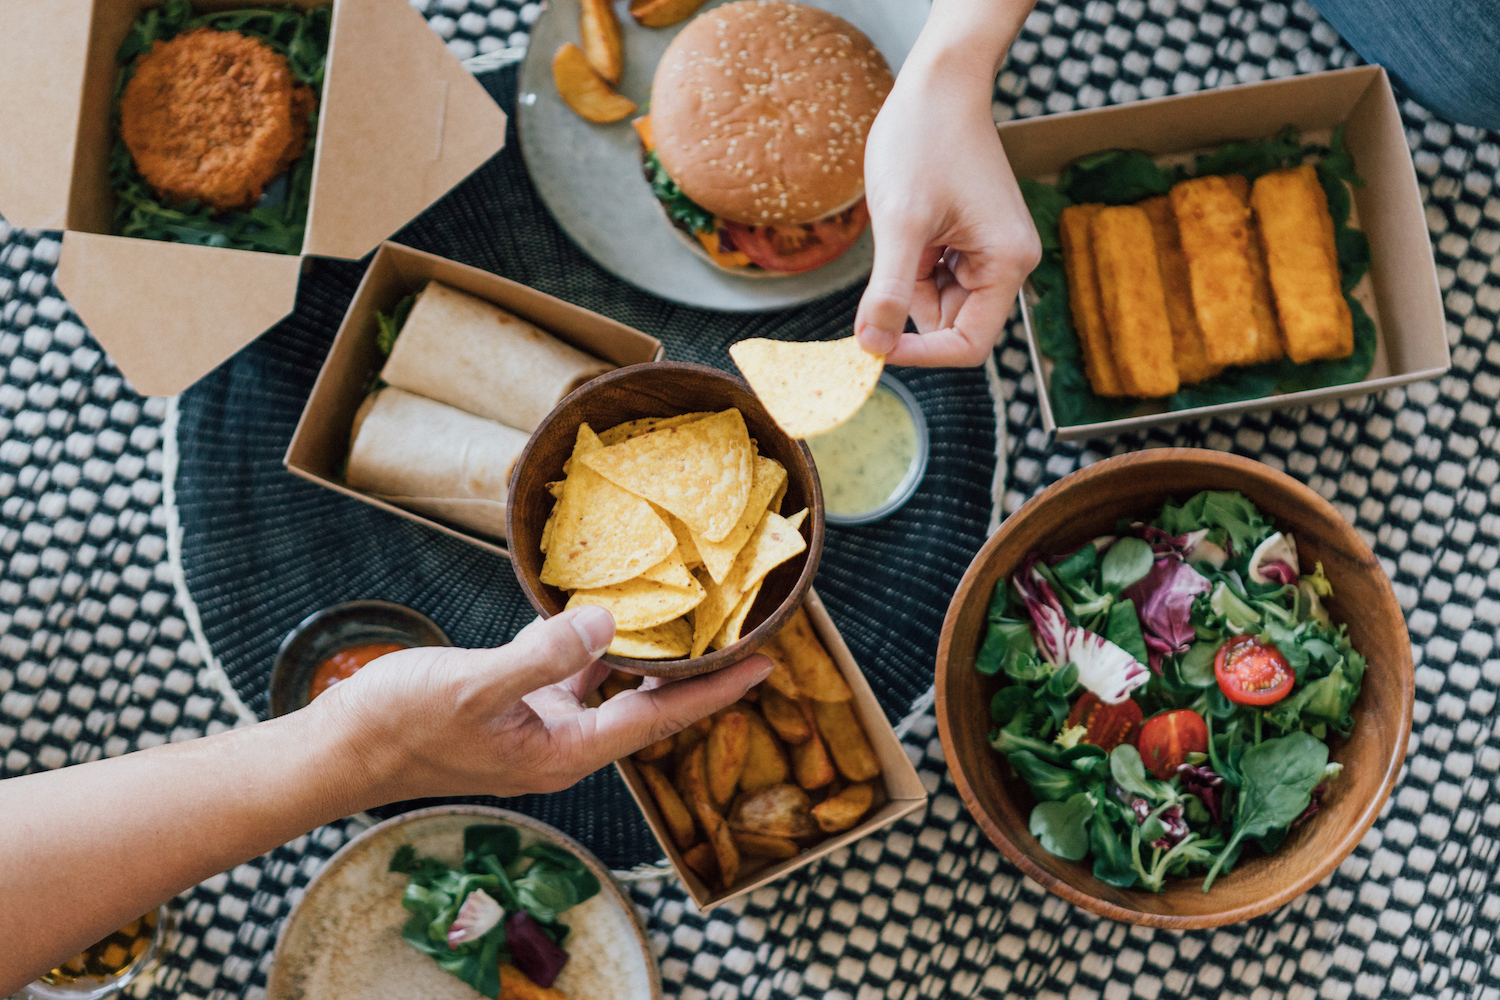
1088 504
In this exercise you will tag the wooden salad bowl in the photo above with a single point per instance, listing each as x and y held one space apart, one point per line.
664 389
1087 504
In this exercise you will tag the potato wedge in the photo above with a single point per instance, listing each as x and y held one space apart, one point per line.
760 845
816 675
700 858
811 765
679 821
516 985
663 13
766 762
728 746
584 90
656 751
617 681
683 744
781 677
603 45
778 811
721 839
847 742
785 716
841 811
692 782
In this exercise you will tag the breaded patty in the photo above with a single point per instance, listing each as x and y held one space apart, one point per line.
213 116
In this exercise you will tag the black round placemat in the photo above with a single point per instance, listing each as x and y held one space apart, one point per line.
262 549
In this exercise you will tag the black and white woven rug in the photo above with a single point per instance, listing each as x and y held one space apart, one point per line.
98 653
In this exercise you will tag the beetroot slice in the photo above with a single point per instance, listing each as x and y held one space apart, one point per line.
531 950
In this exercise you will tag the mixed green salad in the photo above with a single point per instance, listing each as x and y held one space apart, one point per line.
501 905
1170 691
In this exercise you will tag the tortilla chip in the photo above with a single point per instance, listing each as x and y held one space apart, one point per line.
718 557
667 641
808 388
602 535
780 495
775 540
685 547
670 571
640 604
732 629
645 425
699 471
547 529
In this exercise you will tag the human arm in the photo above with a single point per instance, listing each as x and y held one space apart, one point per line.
953 237
87 849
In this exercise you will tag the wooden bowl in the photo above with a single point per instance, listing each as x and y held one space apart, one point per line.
1087 504
664 389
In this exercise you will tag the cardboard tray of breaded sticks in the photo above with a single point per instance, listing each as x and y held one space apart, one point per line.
320 448
764 849
399 122
1400 291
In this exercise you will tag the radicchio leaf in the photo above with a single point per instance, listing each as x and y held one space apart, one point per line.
532 951
476 917
1049 625
1207 784
1164 602
1275 561
1160 541
1103 668
1312 805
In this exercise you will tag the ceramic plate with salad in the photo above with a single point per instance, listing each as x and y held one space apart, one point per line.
1170 693
459 902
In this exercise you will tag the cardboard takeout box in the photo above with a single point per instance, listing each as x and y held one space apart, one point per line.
904 789
320 443
399 123
1402 288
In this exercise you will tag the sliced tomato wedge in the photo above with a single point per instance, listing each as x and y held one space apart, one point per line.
1165 740
795 249
1252 672
1108 725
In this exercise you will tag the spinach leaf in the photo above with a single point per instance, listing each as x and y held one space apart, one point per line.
1115 177
1045 203
1253 158
680 208
1197 666
1129 772
1073 399
390 326
1009 646
1076 569
1326 700
1048 782
1062 827
1124 629
1278 778
1336 371
1231 386
1127 562
1112 862
1050 319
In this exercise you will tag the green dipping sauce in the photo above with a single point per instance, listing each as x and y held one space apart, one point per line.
862 461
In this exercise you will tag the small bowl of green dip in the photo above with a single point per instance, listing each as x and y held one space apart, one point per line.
872 463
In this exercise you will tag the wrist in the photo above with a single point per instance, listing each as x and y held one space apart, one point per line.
352 766
964 41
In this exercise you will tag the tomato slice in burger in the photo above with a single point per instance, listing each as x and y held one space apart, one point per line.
795 249
1252 672
1108 725
1167 739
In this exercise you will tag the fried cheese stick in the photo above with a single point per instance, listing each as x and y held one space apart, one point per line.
1214 224
1083 300
1189 351
1291 209
1135 307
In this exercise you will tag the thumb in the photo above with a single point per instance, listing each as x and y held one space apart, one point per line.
546 652
886 304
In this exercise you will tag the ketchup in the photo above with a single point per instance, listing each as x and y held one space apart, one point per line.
342 665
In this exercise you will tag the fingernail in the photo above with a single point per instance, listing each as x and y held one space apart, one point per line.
876 340
596 627
763 672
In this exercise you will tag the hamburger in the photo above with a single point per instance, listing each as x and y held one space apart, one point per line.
755 141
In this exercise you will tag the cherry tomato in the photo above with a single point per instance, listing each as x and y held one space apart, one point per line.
1252 672
1166 740
795 249
1108 725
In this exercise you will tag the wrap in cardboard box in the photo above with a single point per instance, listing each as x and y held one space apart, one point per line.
320 444
904 789
1404 299
400 122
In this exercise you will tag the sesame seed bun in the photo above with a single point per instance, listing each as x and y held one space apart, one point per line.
760 110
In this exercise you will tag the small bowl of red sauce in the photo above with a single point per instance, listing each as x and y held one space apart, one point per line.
331 645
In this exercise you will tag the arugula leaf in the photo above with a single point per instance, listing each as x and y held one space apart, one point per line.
680 208
1127 562
1062 827
390 326
1279 776
1115 177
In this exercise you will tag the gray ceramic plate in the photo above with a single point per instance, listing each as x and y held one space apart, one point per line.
590 176
343 940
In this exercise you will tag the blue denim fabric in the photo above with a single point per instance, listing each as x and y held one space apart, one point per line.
1444 53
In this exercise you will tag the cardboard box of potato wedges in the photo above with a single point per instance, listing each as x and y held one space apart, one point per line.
434 383
806 764
195 150
1288 258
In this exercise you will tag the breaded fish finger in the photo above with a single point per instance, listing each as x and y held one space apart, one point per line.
1292 211
1269 341
1214 224
1188 349
1083 300
1135 307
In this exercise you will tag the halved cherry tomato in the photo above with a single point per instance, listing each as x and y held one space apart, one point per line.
1252 672
1108 725
795 249
1167 739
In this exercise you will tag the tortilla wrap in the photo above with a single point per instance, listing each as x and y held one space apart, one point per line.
433 459
465 352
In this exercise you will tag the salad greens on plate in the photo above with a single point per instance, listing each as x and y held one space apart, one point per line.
501 905
1169 691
